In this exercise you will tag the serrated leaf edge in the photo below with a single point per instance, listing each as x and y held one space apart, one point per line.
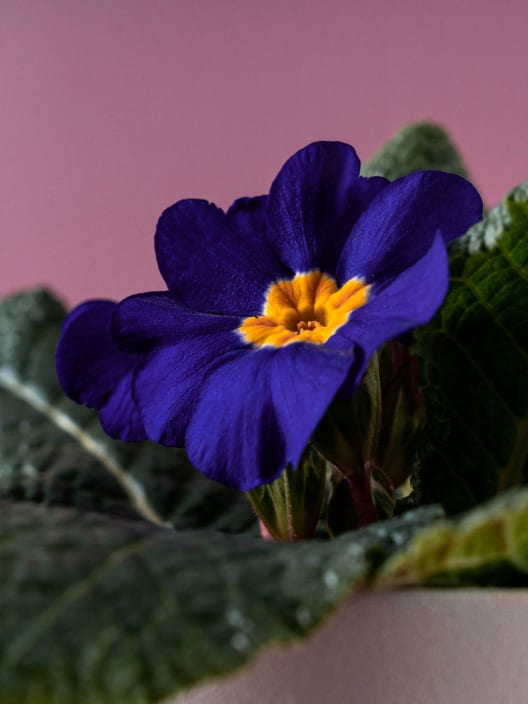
404 569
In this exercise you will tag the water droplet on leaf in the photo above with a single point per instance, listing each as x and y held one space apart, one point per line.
303 616
239 641
330 579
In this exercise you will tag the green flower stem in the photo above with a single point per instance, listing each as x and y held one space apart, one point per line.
289 508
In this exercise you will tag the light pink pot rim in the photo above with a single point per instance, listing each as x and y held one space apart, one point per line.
419 646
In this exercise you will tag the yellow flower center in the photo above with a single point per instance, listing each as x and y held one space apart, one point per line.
308 308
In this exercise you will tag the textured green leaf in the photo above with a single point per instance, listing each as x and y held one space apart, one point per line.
55 451
474 358
102 611
421 145
489 545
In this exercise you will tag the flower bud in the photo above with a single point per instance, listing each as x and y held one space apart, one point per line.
370 439
289 507
403 411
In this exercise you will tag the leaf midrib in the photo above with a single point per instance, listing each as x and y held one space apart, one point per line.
30 394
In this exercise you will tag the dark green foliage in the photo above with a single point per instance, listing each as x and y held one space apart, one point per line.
101 611
474 358
421 145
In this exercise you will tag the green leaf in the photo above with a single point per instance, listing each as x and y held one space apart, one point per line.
474 359
421 145
55 451
101 611
487 546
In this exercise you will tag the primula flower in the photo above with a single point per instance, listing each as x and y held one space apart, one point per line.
273 309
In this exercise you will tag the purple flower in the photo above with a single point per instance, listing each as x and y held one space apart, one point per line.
273 309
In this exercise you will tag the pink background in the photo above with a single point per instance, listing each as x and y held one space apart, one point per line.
111 110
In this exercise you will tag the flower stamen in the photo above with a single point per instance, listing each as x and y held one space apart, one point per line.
307 325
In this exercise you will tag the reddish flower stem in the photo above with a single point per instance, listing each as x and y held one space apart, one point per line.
359 483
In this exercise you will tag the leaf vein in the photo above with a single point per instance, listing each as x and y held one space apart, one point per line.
518 270
11 382
20 647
